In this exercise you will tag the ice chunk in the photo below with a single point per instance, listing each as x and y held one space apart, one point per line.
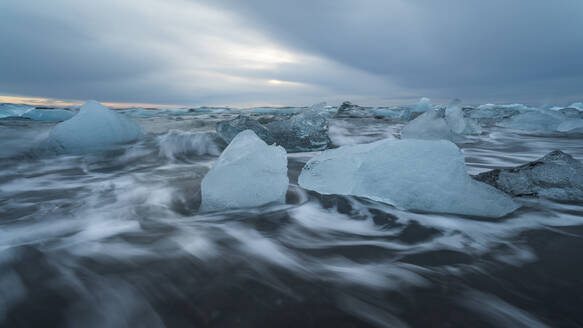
248 173
38 114
95 127
556 175
275 110
571 126
323 109
229 129
497 112
456 121
178 143
570 112
423 105
566 120
318 107
538 121
387 112
577 105
410 174
430 125
347 109
307 131
12 110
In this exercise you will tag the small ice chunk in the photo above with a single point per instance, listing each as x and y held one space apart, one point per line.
229 129
411 174
319 107
307 131
423 105
248 173
556 176
570 112
458 124
495 112
349 110
537 121
275 110
389 112
577 105
429 126
12 110
571 126
94 128
37 114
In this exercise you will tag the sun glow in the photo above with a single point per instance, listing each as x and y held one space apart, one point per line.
280 82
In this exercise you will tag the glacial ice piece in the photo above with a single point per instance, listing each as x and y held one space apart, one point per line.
12 110
410 174
457 122
571 126
248 173
307 131
536 121
423 105
322 109
275 110
387 112
229 129
37 114
318 107
571 112
429 126
556 176
577 105
349 110
94 128
495 112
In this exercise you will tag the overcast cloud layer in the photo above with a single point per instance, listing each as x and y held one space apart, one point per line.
232 52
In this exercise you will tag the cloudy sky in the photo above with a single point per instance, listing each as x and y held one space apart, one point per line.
255 52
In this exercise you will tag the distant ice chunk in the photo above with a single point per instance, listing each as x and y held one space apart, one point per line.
410 174
564 120
571 126
307 131
423 105
577 105
248 173
388 112
94 128
513 107
556 176
275 110
496 112
318 107
429 126
229 129
177 143
12 110
537 121
349 110
458 124
262 111
570 112
37 114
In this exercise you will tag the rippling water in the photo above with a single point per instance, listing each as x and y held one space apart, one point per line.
115 239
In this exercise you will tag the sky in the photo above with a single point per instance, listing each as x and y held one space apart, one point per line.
269 52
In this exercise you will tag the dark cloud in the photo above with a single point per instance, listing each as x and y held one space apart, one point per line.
459 46
229 51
